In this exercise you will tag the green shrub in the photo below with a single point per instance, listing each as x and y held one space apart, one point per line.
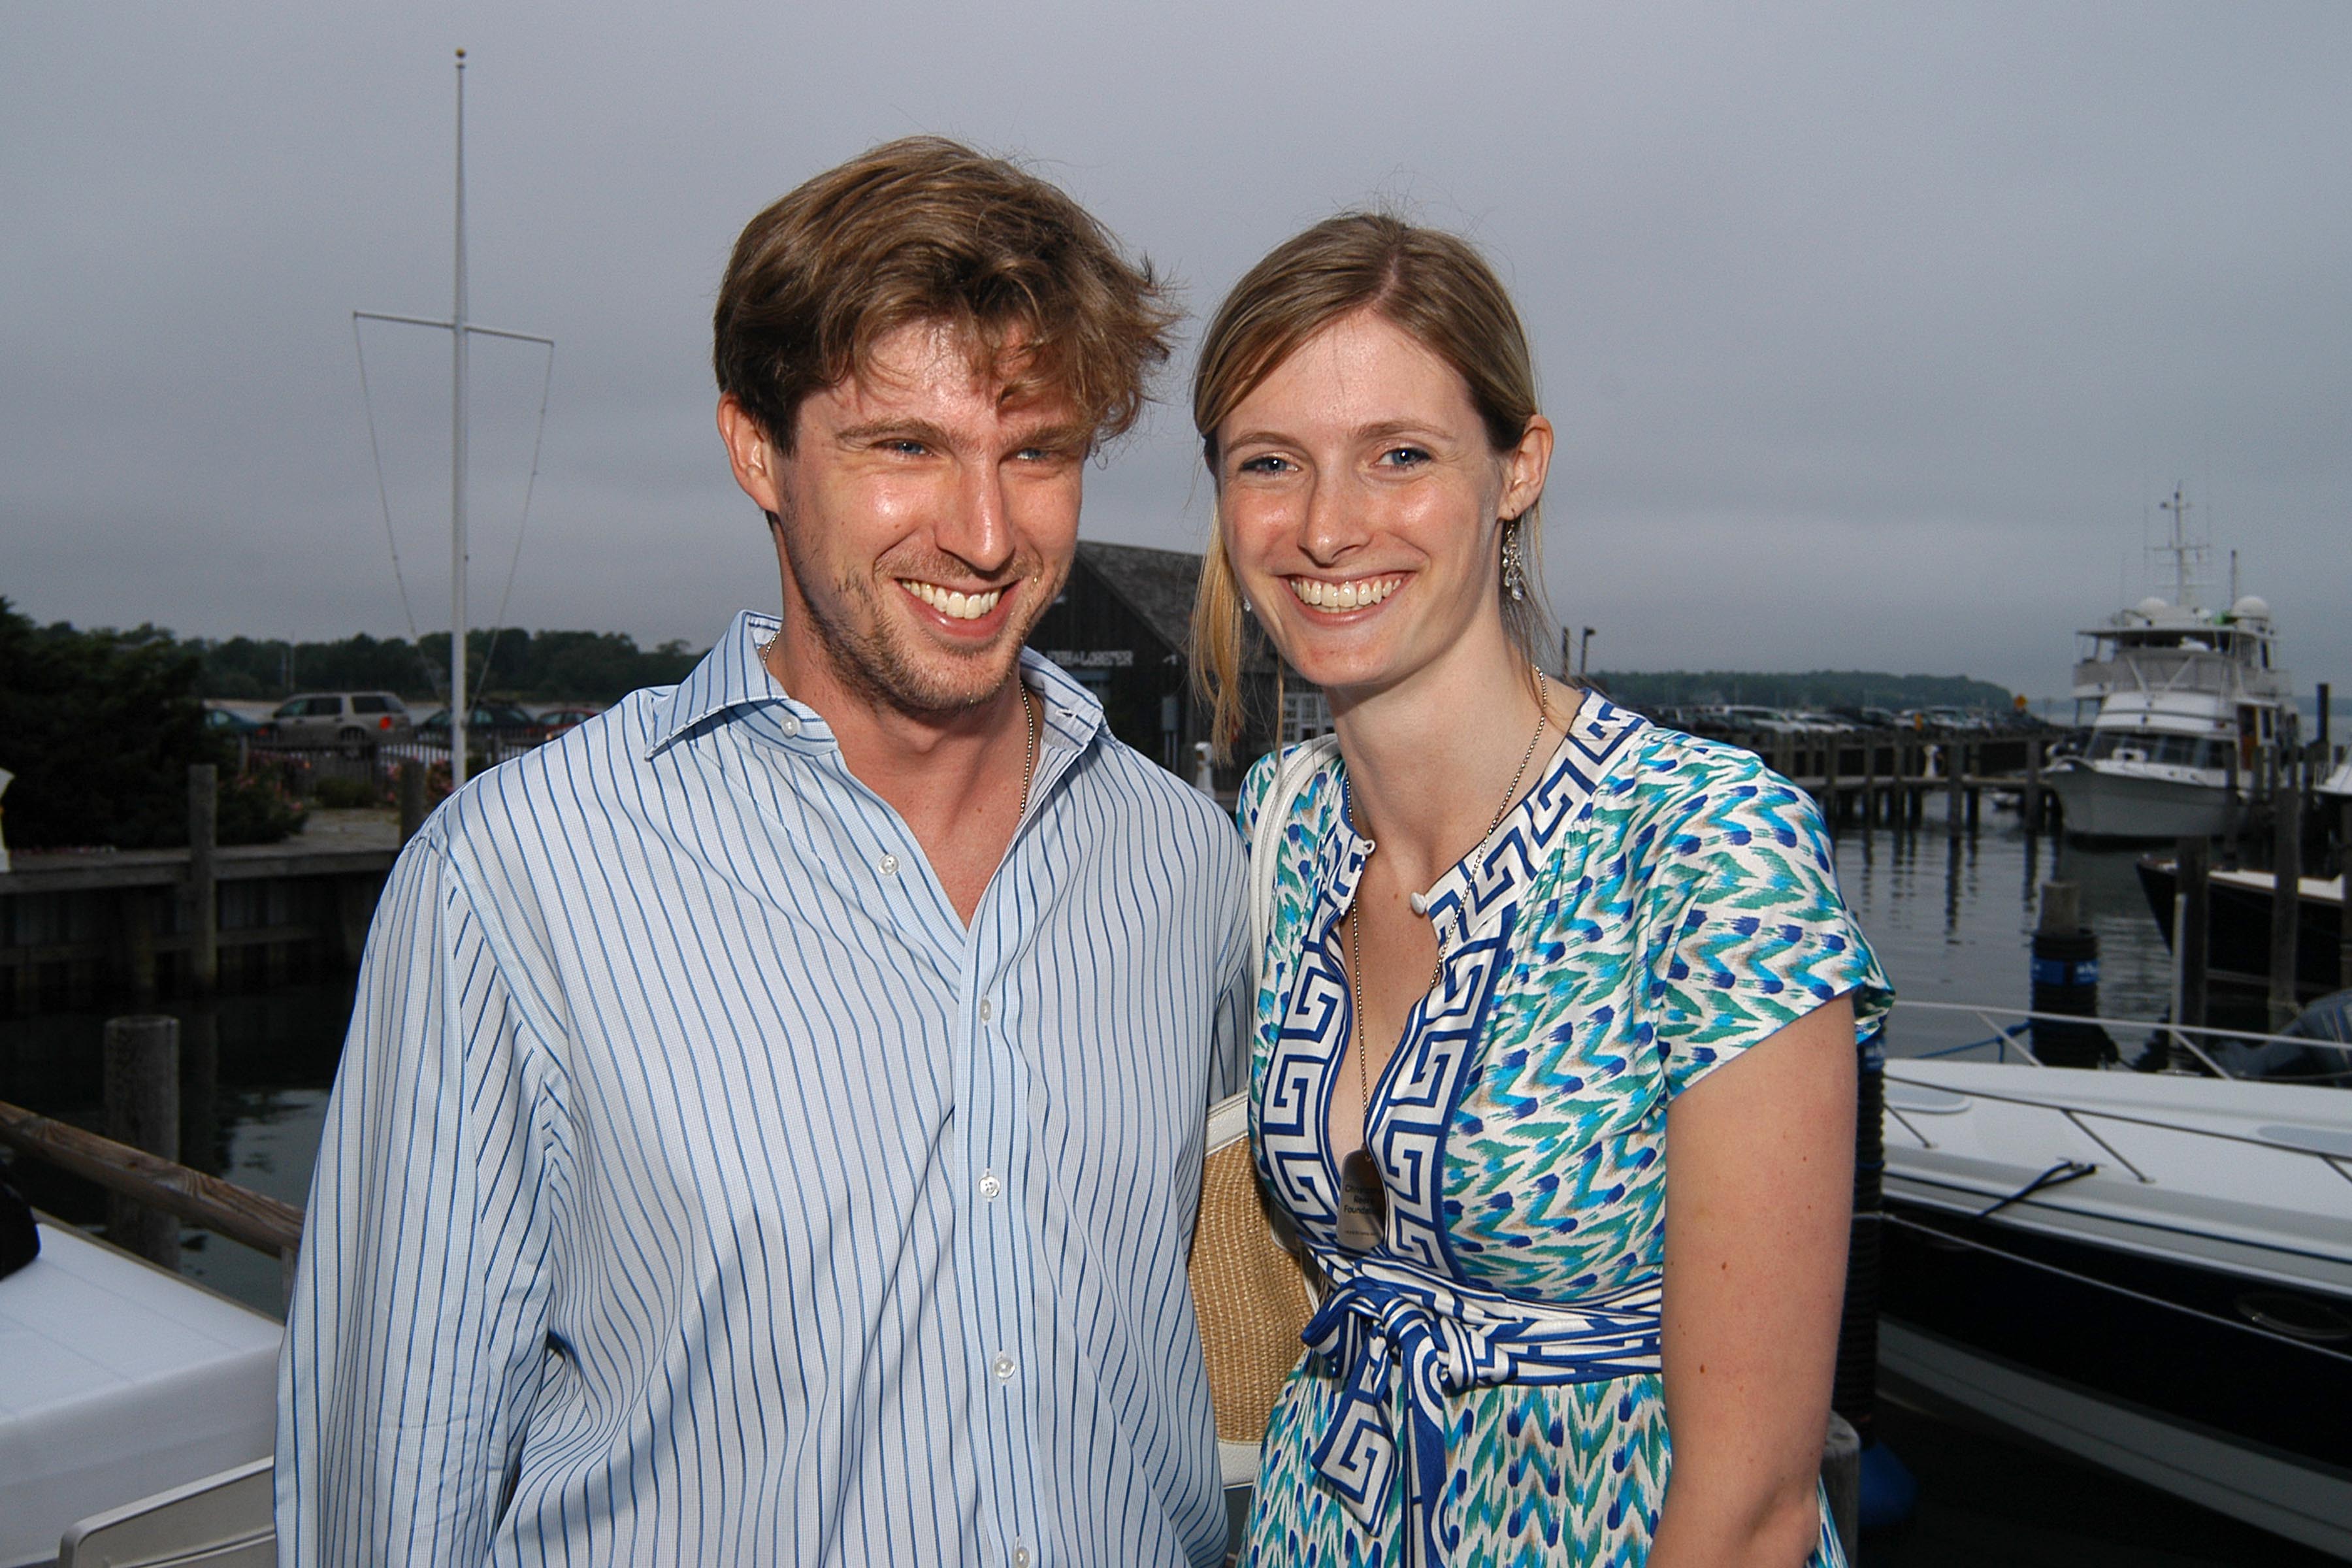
339 793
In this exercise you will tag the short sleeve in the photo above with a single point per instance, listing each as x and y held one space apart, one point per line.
1747 930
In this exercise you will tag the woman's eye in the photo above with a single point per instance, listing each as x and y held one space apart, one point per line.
1404 456
905 447
1266 465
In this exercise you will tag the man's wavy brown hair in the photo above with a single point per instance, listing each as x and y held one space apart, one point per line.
926 229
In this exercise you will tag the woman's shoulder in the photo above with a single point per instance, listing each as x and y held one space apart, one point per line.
1691 787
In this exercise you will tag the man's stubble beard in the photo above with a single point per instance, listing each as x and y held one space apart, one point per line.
875 666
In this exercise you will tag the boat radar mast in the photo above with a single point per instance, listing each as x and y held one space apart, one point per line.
2181 550
461 331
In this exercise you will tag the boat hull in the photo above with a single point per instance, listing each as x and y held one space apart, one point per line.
2237 930
2289 1499
2150 1271
2099 804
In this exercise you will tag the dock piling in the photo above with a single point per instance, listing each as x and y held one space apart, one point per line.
2066 980
202 888
2344 868
411 783
2190 946
2286 883
142 1111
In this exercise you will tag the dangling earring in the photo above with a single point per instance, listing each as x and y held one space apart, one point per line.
1515 577
1248 608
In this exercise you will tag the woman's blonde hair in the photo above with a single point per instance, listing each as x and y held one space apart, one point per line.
1438 289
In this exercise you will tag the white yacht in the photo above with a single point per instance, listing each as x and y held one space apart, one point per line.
2188 699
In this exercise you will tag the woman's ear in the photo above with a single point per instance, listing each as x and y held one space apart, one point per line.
1525 468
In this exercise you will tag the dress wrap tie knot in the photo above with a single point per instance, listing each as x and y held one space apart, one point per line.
1372 1327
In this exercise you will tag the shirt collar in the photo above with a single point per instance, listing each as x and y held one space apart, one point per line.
732 679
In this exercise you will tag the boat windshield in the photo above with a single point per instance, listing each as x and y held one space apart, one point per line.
2176 751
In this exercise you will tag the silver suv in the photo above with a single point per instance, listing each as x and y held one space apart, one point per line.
340 718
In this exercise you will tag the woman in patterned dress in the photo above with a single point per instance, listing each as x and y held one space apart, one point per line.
1527 952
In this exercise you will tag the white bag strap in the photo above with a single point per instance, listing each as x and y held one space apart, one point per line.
1291 774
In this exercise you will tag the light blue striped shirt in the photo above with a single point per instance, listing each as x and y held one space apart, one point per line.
698 1184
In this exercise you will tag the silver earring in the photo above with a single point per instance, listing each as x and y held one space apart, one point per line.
1248 608
1515 577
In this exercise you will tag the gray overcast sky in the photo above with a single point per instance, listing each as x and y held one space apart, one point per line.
1874 332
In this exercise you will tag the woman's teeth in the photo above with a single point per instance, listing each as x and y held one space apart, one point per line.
948 602
1319 594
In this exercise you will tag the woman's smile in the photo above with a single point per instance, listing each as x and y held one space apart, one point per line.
1339 595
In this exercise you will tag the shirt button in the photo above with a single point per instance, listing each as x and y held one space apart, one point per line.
887 865
989 1185
1021 1558
987 1009
1003 1367
791 726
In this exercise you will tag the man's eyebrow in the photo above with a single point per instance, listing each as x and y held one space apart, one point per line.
900 429
1063 435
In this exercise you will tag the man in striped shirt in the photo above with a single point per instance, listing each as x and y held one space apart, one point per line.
770 1126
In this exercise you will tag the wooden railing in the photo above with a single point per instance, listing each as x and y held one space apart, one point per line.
234 1212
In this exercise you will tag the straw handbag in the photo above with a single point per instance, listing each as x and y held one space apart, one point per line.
1253 1288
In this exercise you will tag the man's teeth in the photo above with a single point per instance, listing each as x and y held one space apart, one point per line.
1351 595
949 602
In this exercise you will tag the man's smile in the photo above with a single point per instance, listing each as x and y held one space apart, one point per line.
954 604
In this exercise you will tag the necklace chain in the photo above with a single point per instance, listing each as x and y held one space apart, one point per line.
1029 756
1356 911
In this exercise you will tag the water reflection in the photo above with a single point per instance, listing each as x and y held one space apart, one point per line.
253 1074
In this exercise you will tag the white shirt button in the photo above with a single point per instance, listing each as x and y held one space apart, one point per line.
1003 1367
791 726
987 1009
989 1185
1021 1558
887 865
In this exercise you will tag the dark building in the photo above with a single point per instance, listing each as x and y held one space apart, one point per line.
1123 626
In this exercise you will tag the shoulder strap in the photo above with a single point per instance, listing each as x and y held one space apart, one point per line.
1291 774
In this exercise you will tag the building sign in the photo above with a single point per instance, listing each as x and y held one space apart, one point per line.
1092 659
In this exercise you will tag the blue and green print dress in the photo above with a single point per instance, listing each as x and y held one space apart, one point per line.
1484 1386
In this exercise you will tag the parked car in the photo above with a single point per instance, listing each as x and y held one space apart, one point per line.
340 718
555 721
228 722
502 722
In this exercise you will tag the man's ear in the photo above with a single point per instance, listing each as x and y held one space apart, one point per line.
751 455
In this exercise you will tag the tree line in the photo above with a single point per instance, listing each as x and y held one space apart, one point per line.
1815 688
101 728
541 666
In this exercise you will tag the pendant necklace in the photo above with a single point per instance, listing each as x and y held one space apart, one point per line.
1364 1196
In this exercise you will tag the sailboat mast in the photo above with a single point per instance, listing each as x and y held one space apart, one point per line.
458 707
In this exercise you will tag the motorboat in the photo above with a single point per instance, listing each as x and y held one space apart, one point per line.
2151 1270
2187 700
2238 925
137 1406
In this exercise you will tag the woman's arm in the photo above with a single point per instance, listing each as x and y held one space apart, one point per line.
1759 1194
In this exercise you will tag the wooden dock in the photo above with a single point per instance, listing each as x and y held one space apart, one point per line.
1870 777
77 926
